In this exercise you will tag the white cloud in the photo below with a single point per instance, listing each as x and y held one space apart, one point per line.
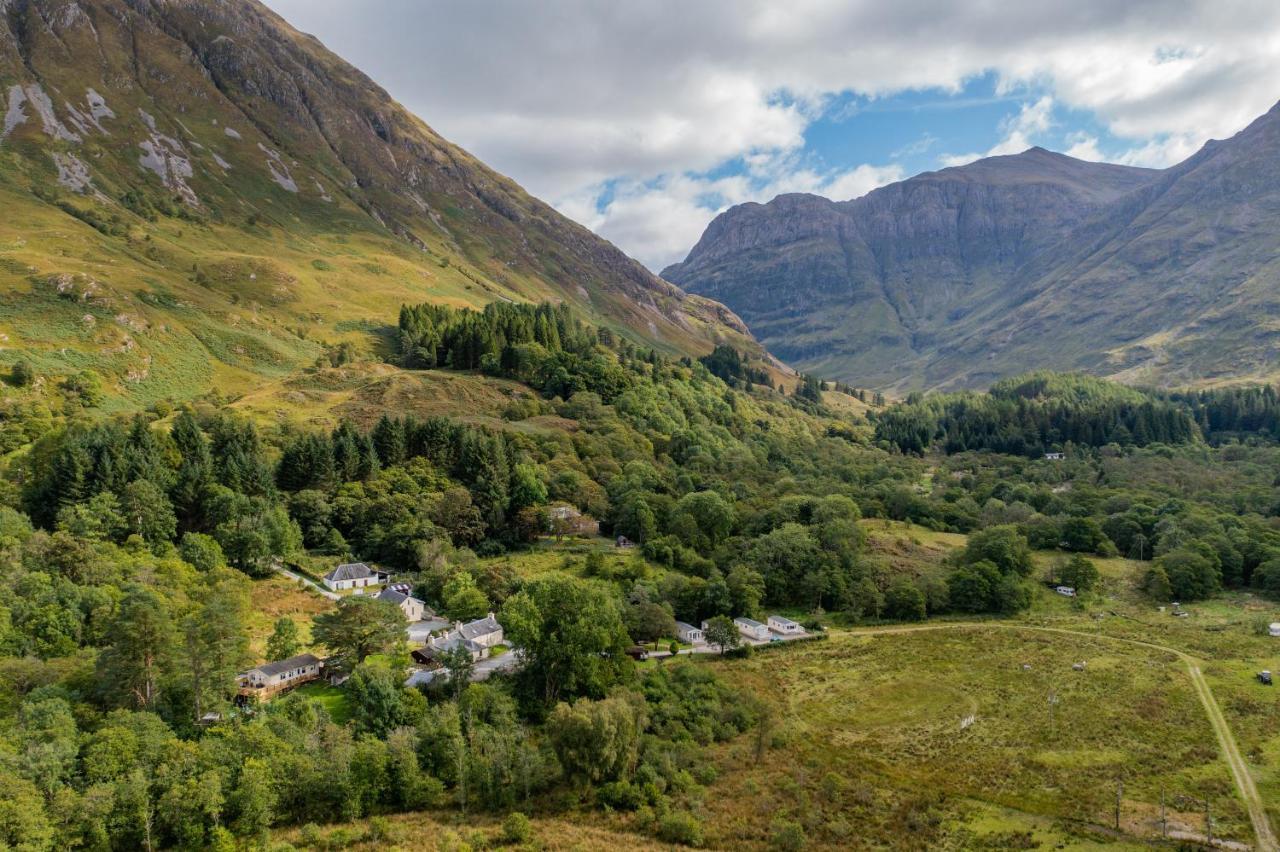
1162 151
1084 147
658 221
565 95
1019 132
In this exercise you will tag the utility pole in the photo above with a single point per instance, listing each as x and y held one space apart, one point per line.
1119 794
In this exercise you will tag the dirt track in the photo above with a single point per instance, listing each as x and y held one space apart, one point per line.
1265 839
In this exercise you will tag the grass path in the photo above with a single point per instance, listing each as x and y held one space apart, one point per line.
1264 836
311 584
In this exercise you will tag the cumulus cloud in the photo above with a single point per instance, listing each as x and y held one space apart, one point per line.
570 95
1019 132
658 221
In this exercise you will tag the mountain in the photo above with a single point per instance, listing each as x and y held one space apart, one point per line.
199 196
961 276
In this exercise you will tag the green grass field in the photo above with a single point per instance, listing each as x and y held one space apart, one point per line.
332 698
942 738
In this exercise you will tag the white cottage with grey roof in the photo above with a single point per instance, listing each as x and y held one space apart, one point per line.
413 609
477 637
353 575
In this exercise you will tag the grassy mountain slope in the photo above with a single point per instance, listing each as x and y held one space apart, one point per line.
197 196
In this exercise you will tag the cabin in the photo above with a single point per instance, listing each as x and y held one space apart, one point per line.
688 634
268 680
1055 456
477 638
1065 591
353 575
752 629
783 625
414 610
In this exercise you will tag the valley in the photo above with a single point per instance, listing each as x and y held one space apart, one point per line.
351 497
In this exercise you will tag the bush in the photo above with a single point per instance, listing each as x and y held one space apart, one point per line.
516 828
680 827
310 835
23 374
621 796
378 831
788 836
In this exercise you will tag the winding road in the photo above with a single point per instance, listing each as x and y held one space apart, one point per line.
1265 838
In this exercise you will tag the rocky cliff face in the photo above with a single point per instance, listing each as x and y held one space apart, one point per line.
861 288
216 112
1174 283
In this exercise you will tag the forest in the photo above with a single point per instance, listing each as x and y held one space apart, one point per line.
128 545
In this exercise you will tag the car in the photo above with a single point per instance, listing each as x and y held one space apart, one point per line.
1264 678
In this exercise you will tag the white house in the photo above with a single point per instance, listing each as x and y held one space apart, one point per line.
752 629
688 634
1275 628
413 609
270 679
1066 591
477 637
785 626
353 575
1055 456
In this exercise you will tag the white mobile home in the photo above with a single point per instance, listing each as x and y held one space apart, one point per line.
752 629
785 626
688 634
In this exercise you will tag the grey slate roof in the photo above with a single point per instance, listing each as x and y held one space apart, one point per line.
747 622
392 596
281 666
782 619
480 627
454 641
682 627
350 571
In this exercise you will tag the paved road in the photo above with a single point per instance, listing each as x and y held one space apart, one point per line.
285 572
1265 838
483 669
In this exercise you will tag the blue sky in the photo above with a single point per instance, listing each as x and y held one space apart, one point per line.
644 120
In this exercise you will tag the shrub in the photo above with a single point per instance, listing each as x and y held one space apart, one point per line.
23 374
680 827
379 830
310 835
788 836
516 828
621 796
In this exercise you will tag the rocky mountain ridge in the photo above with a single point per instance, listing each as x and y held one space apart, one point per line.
964 275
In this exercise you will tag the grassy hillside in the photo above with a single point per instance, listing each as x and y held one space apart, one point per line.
217 214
